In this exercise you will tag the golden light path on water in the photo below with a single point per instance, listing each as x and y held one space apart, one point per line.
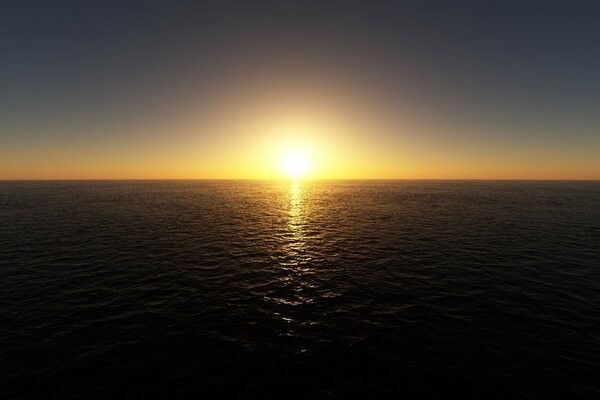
295 222
297 276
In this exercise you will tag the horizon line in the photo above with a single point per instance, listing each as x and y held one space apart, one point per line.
300 179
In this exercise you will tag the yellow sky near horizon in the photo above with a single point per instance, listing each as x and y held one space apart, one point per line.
344 134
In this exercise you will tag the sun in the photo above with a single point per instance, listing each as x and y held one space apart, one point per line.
294 163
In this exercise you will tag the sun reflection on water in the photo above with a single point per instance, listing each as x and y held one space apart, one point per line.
295 223
297 247
297 276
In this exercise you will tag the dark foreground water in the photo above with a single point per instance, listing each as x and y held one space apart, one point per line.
332 289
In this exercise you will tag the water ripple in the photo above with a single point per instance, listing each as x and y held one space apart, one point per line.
324 289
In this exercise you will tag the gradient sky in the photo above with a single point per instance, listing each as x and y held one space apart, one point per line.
175 89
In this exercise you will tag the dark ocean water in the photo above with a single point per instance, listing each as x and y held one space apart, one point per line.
176 289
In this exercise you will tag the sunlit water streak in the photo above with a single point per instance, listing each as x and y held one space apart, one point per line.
296 263
299 289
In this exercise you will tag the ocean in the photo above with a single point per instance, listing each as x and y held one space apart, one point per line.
279 289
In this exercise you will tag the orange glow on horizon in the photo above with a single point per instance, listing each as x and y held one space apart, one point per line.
321 134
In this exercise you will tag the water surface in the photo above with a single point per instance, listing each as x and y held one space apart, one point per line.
173 289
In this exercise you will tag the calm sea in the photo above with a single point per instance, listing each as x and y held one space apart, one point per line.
376 289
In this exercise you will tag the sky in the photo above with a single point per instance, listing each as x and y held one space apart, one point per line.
364 90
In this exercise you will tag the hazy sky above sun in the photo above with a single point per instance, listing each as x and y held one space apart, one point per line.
256 89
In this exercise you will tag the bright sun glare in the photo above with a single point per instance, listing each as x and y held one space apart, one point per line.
294 164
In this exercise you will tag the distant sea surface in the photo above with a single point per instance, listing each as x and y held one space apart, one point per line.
259 289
